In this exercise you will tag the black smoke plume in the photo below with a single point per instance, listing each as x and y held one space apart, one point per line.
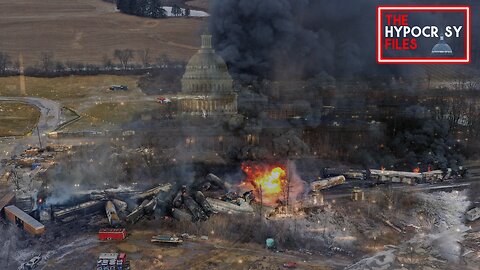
415 139
297 39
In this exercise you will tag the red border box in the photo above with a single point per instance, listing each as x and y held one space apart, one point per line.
431 60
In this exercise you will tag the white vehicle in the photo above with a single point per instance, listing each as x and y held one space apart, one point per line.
33 263
473 214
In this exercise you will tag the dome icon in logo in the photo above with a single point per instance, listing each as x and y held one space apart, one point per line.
442 48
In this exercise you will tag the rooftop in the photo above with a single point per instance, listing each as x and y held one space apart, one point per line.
24 217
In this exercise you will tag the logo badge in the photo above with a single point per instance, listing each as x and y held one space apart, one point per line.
423 35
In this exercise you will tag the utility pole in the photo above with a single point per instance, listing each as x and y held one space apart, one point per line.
261 201
289 175
39 139
23 90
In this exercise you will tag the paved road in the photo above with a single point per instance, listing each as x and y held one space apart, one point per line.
49 111
49 119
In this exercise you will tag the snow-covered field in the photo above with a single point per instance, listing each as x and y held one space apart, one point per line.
193 13
436 248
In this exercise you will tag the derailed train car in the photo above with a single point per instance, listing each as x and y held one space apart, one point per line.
383 176
83 209
146 208
410 178
327 183
349 174
386 176
112 215
23 220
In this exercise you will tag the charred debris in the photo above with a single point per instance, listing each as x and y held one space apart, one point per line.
272 189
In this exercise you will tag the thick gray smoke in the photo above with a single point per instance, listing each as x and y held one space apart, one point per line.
294 39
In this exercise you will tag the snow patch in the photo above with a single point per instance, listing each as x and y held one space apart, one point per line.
193 13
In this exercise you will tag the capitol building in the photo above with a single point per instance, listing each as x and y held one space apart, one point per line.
207 87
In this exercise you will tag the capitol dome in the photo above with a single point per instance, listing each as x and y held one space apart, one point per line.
207 87
442 48
206 72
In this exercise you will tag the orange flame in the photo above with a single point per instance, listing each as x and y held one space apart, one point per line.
267 181
416 170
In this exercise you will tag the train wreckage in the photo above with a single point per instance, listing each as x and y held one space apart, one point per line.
211 195
128 207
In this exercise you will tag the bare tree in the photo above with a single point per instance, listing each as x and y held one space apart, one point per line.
429 73
145 57
457 111
70 65
187 12
124 56
107 63
163 60
47 61
4 62
472 84
157 10
59 66
176 11
465 80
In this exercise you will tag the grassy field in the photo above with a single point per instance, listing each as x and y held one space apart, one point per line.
87 30
88 96
111 115
17 119
68 88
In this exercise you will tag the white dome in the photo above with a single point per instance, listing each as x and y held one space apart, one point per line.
442 48
206 72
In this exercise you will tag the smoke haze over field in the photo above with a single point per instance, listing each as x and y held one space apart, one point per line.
294 39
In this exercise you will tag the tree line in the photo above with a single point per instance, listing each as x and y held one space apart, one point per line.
149 8
121 61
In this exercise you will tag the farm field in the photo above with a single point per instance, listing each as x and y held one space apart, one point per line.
69 88
200 4
88 96
88 30
111 115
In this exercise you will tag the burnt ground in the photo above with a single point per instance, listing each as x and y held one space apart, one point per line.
75 243
213 253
